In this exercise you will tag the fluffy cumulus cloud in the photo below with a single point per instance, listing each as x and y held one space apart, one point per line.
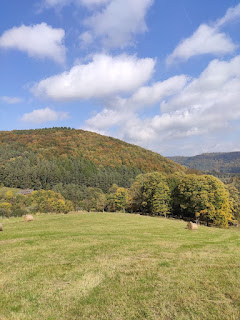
103 76
114 22
119 21
217 84
40 41
150 95
39 116
206 105
207 39
107 118
120 110
11 100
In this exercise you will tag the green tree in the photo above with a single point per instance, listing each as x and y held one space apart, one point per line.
94 199
8 195
205 198
6 208
111 202
161 200
121 198
234 198
150 194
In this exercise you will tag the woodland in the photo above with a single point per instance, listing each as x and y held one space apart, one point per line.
79 170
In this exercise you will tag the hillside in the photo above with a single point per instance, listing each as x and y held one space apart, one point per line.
43 158
228 162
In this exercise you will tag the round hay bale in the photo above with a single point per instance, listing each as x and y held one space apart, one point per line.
192 226
28 218
1 227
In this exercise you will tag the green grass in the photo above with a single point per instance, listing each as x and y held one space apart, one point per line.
117 266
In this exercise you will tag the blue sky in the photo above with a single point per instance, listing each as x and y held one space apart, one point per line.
162 74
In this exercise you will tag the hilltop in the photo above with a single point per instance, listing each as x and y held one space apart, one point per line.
42 158
225 162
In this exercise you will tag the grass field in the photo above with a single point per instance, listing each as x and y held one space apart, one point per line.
117 266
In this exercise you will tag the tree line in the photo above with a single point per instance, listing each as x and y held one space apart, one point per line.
42 201
201 198
31 171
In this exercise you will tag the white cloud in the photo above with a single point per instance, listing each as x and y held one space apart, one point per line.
40 40
11 100
63 3
215 85
102 77
86 38
44 115
207 39
119 21
150 95
206 106
113 22
231 15
122 110
56 3
92 3
107 118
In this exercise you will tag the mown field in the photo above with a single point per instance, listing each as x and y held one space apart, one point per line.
117 266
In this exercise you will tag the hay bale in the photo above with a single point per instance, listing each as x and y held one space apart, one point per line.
28 218
1 227
192 226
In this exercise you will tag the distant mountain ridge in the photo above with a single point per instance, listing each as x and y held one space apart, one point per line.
220 162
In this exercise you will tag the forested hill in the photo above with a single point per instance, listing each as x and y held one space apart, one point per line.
228 162
43 158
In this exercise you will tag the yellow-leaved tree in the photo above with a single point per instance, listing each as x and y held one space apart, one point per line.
205 198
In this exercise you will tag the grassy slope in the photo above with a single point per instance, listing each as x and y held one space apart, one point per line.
115 266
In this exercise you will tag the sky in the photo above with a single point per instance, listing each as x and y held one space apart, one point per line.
162 74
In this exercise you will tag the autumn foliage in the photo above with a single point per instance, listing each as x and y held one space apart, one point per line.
41 201
80 170
101 150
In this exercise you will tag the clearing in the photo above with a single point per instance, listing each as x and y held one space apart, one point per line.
109 266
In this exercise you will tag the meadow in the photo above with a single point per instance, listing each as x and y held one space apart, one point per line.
117 266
